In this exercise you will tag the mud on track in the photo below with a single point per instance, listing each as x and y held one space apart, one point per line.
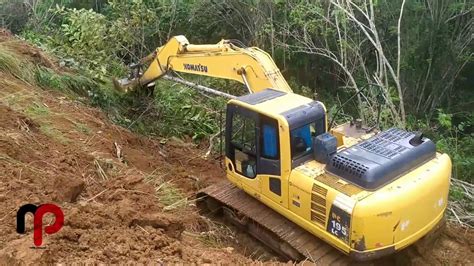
55 149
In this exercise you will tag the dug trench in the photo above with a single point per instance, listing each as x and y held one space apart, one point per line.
125 197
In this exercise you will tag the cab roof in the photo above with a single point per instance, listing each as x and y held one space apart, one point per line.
274 101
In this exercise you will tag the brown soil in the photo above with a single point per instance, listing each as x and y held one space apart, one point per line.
55 149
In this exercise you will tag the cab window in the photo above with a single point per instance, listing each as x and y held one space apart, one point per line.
302 138
270 147
243 141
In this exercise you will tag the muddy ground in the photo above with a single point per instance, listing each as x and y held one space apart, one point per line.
126 198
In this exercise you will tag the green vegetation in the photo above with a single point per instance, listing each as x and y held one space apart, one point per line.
83 128
9 62
41 112
12 64
413 60
171 196
37 110
53 132
167 193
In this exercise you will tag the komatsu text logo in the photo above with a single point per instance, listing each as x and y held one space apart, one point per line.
193 67
38 213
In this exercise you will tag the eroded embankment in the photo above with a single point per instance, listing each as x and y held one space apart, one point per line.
125 197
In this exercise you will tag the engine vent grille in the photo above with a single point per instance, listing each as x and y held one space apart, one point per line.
334 182
349 166
384 143
318 205
377 146
394 134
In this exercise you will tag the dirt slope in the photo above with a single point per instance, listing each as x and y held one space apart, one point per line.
117 206
53 149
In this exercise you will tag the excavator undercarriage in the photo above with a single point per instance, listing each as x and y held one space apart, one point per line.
280 234
284 237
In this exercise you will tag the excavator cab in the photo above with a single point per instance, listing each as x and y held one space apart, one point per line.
267 134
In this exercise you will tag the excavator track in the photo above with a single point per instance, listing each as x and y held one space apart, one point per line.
277 232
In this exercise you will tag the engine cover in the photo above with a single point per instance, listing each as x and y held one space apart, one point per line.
386 156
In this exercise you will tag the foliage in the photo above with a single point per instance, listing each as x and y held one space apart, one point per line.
37 110
453 135
326 49
79 84
87 37
457 141
173 111
53 132
14 15
170 195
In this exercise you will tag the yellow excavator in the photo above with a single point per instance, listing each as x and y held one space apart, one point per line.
307 191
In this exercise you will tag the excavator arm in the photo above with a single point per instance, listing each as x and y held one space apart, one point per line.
250 66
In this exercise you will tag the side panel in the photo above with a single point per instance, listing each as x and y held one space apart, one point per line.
300 195
251 186
274 189
402 212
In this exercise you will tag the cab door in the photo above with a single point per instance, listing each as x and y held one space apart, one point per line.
253 154
269 162
242 147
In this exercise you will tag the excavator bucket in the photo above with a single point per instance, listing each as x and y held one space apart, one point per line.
132 82
125 84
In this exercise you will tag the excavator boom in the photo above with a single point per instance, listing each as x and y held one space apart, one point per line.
250 66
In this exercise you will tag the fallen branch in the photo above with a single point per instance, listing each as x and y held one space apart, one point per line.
460 208
100 193
211 144
100 171
455 215
454 180
199 87
118 151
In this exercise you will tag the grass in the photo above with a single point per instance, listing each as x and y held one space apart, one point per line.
64 82
167 193
37 110
171 196
83 128
54 133
11 63
46 78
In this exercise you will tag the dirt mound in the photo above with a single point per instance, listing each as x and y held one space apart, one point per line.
53 149
112 213
125 197
455 246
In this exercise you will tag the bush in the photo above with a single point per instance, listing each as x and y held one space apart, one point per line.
172 110
451 137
